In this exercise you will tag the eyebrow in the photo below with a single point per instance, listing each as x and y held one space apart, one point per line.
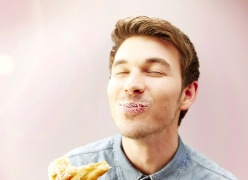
118 62
158 60
148 61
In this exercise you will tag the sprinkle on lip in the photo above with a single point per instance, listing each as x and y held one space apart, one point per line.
133 107
130 105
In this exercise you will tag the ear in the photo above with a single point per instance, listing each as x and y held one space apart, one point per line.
189 95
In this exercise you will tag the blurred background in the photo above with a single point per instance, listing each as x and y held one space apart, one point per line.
54 75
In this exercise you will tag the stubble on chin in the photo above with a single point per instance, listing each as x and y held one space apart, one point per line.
139 133
129 117
134 131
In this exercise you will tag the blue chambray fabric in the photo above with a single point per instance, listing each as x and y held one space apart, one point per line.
187 164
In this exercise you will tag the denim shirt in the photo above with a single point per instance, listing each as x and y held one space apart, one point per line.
186 164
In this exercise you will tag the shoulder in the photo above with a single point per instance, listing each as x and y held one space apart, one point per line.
202 166
93 152
94 147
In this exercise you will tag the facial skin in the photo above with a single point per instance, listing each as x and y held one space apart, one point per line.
145 89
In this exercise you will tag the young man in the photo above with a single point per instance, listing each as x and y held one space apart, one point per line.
154 73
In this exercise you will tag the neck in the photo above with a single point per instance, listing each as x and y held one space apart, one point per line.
154 151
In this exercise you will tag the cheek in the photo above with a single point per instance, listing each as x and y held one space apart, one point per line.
109 90
167 100
165 110
110 95
113 89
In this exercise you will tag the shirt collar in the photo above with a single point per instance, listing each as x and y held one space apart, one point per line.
171 170
123 166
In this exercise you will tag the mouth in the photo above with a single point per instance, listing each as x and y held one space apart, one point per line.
133 107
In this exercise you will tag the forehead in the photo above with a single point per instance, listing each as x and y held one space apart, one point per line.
139 49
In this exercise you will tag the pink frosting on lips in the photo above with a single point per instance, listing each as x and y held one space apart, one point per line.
133 107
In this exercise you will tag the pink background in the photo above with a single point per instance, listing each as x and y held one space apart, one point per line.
54 74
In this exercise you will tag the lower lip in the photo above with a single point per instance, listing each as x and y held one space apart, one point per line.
134 110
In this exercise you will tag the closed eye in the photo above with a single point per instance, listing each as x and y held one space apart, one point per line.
118 70
155 73
121 73
124 72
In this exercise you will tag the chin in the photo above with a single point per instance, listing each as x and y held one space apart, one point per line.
136 132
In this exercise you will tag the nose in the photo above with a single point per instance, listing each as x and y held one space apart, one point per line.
134 84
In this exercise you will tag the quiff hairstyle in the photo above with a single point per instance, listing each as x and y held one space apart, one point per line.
165 31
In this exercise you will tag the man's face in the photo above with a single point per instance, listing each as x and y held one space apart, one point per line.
144 90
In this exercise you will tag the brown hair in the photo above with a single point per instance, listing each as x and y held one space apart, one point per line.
165 31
